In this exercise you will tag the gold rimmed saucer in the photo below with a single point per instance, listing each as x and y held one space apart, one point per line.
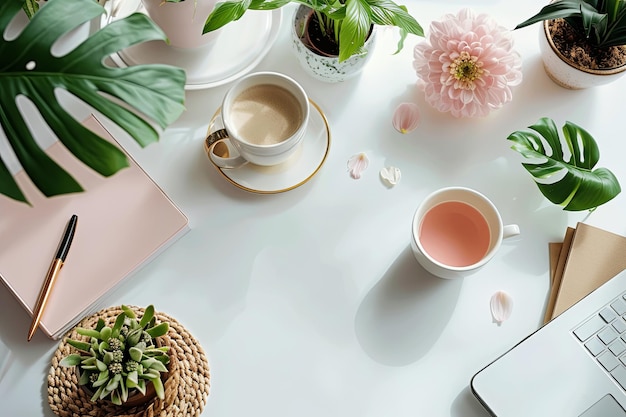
298 170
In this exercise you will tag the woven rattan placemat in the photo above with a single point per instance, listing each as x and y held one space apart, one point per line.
186 389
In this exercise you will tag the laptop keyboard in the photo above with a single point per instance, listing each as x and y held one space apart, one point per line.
604 337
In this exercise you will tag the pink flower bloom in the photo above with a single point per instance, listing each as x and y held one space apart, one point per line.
467 65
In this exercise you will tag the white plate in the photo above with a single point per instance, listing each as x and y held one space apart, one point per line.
299 169
237 50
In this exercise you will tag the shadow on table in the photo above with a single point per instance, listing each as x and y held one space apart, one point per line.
402 316
466 405
17 352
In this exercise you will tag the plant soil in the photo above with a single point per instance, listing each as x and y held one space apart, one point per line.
576 48
322 42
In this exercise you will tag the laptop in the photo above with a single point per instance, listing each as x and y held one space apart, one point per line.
573 366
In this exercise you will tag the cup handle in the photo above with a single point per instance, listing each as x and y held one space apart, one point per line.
227 162
510 230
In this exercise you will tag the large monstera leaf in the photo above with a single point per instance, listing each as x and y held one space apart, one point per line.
572 182
29 69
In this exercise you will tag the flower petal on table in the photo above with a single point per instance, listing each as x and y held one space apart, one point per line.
406 117
357 164
390 175
501 306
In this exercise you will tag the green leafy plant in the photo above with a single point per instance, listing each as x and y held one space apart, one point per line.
349 21
572 183
31 70
121 358
602 22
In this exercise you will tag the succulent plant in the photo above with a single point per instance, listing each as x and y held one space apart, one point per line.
121 358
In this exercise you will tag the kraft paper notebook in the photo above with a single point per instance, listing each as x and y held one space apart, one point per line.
124 221
589 257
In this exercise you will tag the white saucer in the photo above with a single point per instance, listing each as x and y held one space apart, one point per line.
299 169
238 49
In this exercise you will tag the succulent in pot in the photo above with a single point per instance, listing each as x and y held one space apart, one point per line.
343 23
588 35
116 361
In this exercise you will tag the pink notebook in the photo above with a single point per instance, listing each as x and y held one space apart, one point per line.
124 221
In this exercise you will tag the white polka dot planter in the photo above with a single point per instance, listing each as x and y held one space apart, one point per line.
326 68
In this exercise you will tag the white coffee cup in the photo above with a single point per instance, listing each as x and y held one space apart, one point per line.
456 231
264 117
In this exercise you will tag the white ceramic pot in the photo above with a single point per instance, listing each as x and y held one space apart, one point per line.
183 22
326 68
567 74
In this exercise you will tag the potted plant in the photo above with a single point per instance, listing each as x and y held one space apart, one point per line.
120 363
583 42
333 34
148 92
568 180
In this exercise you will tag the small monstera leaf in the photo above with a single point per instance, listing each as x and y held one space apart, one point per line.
572 183
28 68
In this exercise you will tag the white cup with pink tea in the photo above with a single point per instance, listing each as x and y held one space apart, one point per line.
263 119
456 231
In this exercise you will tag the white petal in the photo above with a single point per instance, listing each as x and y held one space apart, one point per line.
501 306
357 164
406 117
390 175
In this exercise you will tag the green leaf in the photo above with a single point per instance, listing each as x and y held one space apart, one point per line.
82 346
556 10
105 333
135 354
113 383
141 386
70 360
107 358
158 330
354 28
101 365
157 366
158 387
100 324
88 332
30 70
128 312
572 182
96 395
116 398
225 12
147 316
103 378
119 322
123 391
84 378
132 379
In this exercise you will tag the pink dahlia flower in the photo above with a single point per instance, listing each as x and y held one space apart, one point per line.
467 65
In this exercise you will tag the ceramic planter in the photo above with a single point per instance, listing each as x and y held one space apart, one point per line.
568 74
325 68
183 22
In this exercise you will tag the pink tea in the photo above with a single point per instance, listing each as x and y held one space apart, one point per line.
455 234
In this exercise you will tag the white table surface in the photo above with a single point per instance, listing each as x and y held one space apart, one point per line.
310 303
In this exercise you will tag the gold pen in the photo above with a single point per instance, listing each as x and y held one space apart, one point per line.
52 274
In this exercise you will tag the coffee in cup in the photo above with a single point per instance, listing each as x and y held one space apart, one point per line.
265 116
456 231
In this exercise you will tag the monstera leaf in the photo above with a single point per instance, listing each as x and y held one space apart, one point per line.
28 68
572 182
